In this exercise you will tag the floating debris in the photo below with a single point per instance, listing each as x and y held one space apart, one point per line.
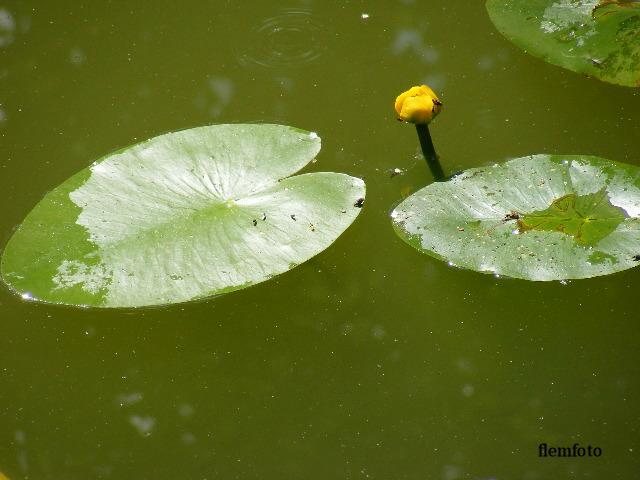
395 171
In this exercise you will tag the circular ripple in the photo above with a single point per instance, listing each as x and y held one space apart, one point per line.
291 38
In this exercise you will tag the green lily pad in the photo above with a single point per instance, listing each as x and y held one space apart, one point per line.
543 217
599 38
181 216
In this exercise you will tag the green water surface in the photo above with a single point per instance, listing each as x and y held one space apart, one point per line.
370 361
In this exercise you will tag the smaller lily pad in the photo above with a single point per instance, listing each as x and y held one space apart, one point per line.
543 217
599 38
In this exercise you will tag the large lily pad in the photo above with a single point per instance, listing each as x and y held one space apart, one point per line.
544 217
181 216
600 38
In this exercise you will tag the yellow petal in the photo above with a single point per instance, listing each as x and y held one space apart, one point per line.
418 105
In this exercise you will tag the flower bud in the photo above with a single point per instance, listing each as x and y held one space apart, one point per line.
418 105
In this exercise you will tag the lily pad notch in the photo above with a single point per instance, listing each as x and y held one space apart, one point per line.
182 216
541 218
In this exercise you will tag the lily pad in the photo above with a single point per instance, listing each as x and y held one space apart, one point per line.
182 216
599 38
543 217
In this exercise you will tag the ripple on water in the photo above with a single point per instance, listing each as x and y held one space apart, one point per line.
291 38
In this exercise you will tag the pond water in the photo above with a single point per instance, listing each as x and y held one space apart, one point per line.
369 361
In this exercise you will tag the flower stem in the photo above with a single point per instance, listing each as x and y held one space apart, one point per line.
429 152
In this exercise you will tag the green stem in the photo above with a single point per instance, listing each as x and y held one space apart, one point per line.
429 152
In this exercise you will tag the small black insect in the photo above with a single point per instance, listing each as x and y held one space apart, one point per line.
293 217
636 258
512 215
255 222
263 217
359 203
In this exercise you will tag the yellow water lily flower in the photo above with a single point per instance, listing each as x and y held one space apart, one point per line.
418 105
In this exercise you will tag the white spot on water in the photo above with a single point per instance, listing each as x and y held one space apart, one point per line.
364 16
222 90
26 296
127 399
412 41
7 28
143 425
185 410
313 136
378 332
468 390
77 56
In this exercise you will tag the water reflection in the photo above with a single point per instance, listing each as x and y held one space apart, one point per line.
491 61
127 399
222 89
216 96
143 425
410 40
77 56
437 81
185 410
468 390
292 37
7 28
21 440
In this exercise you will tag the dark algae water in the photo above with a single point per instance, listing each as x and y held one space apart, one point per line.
370 361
